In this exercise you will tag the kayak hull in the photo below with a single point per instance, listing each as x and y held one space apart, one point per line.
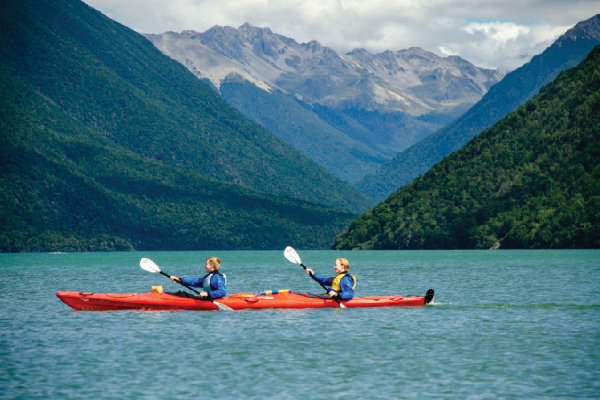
240 301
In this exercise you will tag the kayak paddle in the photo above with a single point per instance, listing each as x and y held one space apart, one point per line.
293 256
150 266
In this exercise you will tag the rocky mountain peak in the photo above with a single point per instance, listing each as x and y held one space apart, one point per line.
414 80
588 29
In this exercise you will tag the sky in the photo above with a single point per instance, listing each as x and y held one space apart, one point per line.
489 33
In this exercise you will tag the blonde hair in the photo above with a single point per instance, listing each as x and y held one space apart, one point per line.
344 263
214 261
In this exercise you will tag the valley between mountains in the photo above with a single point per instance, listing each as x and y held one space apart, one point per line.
350 112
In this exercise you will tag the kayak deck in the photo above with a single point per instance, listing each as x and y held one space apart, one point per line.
240 301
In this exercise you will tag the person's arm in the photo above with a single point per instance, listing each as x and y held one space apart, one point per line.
193 282
219 282
323 280
346 292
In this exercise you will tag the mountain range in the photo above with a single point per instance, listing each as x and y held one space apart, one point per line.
349 112
413 81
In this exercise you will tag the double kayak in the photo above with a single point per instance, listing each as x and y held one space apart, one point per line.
158 300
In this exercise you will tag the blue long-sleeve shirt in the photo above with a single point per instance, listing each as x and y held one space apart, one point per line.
218 285
346 284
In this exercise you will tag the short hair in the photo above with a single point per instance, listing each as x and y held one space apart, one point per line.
344 263
214 261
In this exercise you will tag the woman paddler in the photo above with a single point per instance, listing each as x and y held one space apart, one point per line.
213 284
342 285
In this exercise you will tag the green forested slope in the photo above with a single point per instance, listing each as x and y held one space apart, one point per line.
64 187
530 181
116 83
106 144
506 96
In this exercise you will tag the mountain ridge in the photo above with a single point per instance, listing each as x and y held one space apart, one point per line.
273 61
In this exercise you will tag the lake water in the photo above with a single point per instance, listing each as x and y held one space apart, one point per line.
505 324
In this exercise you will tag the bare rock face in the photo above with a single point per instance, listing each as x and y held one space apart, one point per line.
412 81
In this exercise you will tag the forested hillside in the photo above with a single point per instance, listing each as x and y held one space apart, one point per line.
506 96
115 82
530 181
107 144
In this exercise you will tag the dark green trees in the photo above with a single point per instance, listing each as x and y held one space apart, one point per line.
530 181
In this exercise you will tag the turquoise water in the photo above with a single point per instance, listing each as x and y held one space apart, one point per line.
505 324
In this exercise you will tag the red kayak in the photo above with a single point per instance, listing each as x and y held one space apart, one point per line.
240 301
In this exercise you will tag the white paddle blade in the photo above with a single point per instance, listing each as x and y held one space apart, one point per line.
149 265
291 255
223 307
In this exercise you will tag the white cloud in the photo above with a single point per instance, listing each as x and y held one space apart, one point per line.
498 31
505 45
489 33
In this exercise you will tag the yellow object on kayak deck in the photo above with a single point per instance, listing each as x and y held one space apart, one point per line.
157 289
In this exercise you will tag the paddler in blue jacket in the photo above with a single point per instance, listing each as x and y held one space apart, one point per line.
213 284
342 285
